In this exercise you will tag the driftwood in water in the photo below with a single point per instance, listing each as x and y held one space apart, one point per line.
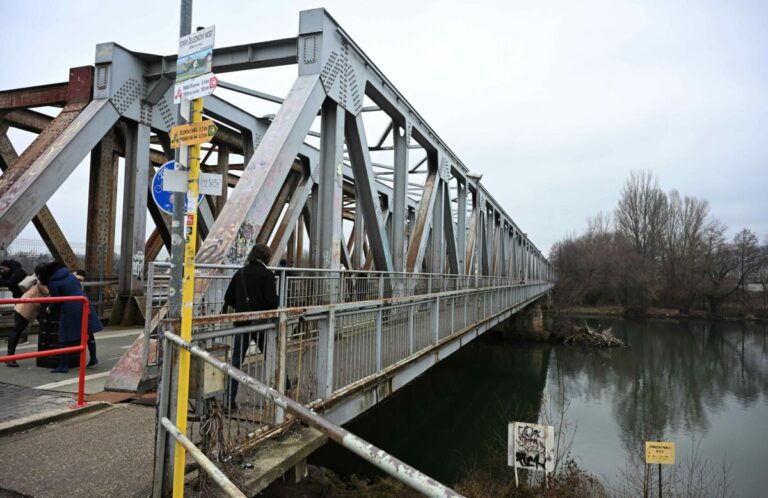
592 337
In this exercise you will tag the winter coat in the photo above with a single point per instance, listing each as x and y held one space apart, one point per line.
12 277
30 310
62 282
259 284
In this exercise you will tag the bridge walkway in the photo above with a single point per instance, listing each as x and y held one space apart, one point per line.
330 351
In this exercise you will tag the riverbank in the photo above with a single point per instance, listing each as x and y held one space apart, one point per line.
669 313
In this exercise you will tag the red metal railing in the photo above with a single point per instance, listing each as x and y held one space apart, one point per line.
52 352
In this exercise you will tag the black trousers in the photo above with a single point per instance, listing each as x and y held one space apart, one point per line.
240 349
20 324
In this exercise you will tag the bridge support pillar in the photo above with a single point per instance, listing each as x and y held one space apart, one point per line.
527 324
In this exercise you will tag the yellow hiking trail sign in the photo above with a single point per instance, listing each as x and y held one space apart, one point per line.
660 452
193 133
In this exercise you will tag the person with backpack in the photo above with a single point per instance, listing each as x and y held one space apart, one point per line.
252 288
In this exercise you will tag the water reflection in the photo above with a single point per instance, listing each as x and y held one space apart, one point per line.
682 381
678 381
671 379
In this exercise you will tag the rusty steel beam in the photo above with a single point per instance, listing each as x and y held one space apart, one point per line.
102 202
35 122
222 168
26 186
36 96
152 248
24 119
452 252
47 136
292 213
43 221
277 208
417 244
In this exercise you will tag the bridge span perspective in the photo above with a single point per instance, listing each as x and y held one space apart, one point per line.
389 253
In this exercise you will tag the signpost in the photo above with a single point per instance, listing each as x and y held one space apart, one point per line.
531 446
194 80
661 453
194 66
193 133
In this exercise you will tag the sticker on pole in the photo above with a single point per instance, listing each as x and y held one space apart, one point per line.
164 198
193 133
194 66
531 446
660 452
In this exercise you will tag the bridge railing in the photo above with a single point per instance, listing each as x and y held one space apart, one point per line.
317 353
296 411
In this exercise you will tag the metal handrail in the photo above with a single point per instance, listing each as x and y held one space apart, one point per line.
52 352
378 457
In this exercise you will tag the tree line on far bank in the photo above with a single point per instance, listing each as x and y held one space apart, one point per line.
661 249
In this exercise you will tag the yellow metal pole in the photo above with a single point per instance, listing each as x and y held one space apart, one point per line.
188 290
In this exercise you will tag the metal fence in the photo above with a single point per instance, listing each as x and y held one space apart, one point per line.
282 404
312 348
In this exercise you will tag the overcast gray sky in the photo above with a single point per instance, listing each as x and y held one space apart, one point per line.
555 102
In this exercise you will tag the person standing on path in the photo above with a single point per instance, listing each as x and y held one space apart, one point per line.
252 288
61 282
23 315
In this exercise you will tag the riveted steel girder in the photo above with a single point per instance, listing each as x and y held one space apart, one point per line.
330 181
250 202
292 213
399 204
65 142
44 221
367 193
102 201
136 181
420 233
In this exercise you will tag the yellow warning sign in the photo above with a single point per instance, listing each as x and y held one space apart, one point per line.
193 133
660 452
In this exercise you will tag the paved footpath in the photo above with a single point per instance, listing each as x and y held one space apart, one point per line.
23 402
102 453
48 450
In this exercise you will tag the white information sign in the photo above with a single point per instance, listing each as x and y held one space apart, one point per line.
175 180
178 181
210 183
194 65
531 446
197 41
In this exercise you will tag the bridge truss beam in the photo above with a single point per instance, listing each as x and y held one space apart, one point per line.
407 211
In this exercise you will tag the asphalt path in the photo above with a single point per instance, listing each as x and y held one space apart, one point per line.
111 343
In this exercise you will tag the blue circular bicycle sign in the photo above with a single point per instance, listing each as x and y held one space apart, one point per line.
163 198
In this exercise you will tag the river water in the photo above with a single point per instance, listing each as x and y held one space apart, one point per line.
702 385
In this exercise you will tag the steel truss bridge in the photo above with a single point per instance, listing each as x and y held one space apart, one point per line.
401 255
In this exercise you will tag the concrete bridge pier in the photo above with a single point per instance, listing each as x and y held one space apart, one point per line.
527 324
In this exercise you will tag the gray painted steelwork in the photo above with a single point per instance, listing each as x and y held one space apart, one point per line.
136 89
370 453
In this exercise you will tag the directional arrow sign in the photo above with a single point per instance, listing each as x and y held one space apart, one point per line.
193 133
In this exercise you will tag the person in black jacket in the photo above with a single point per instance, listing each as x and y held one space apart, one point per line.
252 288
11 274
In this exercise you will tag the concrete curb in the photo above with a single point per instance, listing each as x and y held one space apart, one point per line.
56 415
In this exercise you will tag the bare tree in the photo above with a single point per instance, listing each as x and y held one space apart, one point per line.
641 213
684 247
729 266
